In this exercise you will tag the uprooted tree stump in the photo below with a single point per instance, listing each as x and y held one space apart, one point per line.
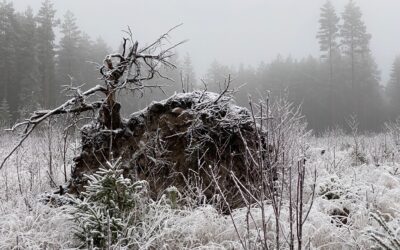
193 141
199 142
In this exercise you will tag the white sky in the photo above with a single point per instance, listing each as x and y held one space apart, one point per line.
231 31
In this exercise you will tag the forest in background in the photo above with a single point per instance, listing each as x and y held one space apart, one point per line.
343 82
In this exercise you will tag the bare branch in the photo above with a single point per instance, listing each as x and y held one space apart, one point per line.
162 37
227 83
114 67
17 146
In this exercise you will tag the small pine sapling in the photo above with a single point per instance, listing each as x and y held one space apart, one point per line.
110 204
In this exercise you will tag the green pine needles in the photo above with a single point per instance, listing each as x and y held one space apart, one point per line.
111 204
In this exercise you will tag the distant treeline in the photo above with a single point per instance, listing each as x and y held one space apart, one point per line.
33 68
343 82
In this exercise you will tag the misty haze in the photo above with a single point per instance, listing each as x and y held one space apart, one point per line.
199 124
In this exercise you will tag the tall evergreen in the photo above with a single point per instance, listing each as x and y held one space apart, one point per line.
5 115
354 38
188 75
46 54
8 65
99 50
92 55
366 99
393 88
327 38
27 60
87 62
68 53
329 30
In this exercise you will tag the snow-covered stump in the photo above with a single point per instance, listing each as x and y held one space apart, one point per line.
183 141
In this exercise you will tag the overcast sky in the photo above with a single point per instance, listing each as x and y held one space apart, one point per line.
231 31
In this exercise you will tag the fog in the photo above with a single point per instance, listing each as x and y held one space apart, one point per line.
336 59
208 124
231 31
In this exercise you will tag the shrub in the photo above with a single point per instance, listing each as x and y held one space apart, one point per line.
110 204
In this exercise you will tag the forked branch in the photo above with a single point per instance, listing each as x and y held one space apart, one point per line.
129 69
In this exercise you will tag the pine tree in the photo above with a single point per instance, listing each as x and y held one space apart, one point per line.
354 37
46 54
29 95
8 65
188 75
328 31
87 64
5 115
365 97
111 204
68 54
99 50
393 87
327 36
91 55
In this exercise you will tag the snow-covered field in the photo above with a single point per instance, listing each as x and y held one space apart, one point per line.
356 176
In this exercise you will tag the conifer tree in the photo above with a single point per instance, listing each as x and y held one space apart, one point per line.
188 74
354 37
91 55
365 98
29 95
5 115
328 31
8 66
110 205
87 63
393 87
68 54
327 38
99 49
47 21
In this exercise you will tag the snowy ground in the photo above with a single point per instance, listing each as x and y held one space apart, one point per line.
351 183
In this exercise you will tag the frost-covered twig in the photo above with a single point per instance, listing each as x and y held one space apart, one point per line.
389 239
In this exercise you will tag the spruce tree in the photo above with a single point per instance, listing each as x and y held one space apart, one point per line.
29 94
354 37
47 21
87 64
91 55
393 88
99 49
188 75
8 66
327 38
328 31
68 54
5 115
111 204
365 95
